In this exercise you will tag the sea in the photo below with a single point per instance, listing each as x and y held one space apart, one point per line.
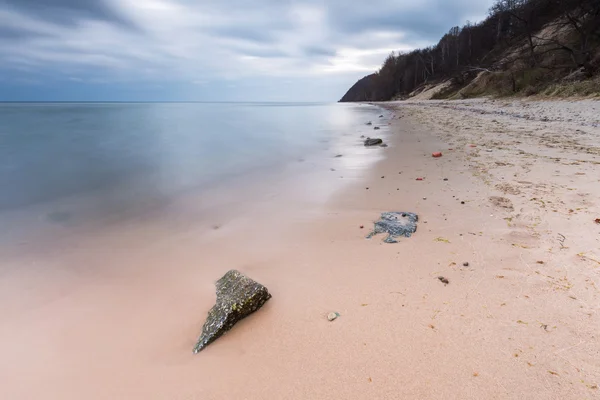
77 165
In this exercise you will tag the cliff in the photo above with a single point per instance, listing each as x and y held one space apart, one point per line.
523 47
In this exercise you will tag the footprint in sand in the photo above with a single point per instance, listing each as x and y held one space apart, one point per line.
502 202
507 188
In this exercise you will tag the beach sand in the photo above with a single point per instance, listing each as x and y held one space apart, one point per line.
119 314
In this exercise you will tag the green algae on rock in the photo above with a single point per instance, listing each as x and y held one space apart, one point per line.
237 297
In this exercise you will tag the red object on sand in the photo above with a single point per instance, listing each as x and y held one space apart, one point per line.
436 154
473 145
419 179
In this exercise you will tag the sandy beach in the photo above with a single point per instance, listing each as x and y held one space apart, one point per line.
506 215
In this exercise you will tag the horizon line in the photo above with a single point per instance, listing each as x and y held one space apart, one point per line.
158 101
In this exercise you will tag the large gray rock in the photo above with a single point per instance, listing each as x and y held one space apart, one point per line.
395 224
237 297
373 142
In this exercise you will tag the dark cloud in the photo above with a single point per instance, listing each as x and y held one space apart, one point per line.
425 22
246 33
319 51
12 33
264 53
69 12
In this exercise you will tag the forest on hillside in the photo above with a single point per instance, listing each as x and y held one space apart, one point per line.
521 46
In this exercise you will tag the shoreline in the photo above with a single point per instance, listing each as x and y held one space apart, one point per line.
505 326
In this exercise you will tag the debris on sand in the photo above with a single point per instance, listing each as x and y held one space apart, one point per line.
395 224
436 154
444 280
237 297
597 220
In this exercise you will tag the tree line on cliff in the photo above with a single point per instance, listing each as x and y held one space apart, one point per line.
519 39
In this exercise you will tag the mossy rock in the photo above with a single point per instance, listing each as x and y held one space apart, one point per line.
237 297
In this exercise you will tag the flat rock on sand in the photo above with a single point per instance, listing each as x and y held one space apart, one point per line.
237 297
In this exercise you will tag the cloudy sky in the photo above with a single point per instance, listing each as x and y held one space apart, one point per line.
209 50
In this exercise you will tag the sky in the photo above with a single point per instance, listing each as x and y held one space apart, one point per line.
217 50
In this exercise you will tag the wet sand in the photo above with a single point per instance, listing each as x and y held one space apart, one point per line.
119 314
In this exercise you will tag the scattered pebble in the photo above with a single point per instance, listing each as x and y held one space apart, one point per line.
382 177
443 280
436 154
445 179
419 179
462 202
466 264
362 227
332 316
597 220
424 198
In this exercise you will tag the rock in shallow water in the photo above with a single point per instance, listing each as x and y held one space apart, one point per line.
373 142
237 297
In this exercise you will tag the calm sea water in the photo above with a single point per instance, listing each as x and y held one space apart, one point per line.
124 153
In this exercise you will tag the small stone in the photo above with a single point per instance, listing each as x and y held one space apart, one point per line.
382 177
332 316
443 280
462 202
424 198
465 264
373 142
362 227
